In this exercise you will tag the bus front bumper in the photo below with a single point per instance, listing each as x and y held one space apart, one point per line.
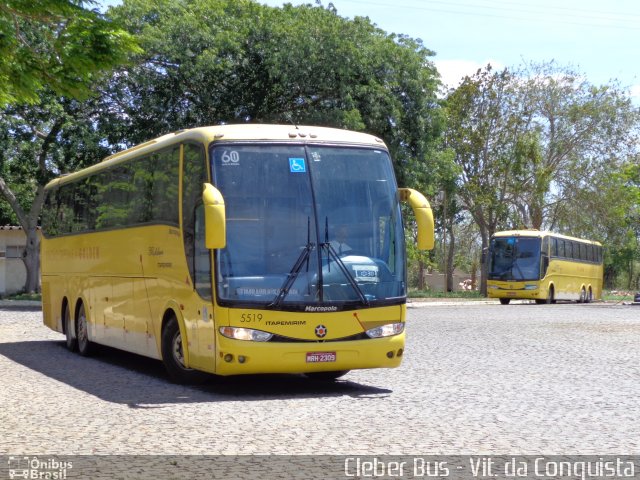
523 291
237 357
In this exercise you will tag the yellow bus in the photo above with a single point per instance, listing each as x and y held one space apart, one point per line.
234 249
543 266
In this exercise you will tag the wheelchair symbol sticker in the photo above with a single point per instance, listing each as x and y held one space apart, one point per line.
297 165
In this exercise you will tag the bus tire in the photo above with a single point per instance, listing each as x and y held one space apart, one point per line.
589 296
505 301
326 376
583 296
173 356
69 330
85 346
540 301
551 296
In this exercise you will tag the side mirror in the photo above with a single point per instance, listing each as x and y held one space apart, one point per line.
424 216
215 224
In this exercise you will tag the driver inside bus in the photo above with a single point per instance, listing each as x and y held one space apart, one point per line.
339 243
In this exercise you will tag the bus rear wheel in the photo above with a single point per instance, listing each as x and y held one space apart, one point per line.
583 296
173 356
85 346
69 330
505 301
326 376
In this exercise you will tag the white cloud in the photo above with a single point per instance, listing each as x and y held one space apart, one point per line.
453 71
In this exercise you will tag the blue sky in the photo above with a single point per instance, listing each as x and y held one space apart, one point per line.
600 39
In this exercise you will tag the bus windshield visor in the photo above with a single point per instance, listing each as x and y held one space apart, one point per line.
308 225
514 258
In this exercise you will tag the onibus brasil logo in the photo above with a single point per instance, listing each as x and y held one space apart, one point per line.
38 468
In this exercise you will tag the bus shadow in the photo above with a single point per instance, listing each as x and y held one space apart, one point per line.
140 382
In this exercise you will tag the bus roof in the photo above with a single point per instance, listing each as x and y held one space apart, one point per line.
540 234
242 132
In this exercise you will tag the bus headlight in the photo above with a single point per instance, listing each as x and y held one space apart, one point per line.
245 334
386 330
530 287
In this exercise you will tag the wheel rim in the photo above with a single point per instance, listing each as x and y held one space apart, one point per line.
176 350
68 326
83 336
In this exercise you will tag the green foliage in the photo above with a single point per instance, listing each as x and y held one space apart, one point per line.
469 295
32 297
236 61
57 45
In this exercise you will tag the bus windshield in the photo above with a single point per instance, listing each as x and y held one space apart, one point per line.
514 258
308 225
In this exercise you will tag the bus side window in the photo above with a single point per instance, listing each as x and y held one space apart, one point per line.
544 257
198 257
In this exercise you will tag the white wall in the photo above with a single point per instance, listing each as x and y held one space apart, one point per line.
13 273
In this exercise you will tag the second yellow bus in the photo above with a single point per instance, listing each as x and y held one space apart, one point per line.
544 266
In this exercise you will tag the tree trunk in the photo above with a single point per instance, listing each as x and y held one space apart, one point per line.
421 275
449 259
484 263
31 260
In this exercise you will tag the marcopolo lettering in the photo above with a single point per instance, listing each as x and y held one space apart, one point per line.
309 308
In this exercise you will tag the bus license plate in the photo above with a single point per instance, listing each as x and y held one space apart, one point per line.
321 357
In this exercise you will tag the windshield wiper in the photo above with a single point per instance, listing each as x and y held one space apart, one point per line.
514 263
295 270
292 275
331 253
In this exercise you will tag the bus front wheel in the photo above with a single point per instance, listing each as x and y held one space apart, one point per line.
551 296
505 301
173 356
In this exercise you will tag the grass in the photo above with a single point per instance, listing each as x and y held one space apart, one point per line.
25 296
617 296
413 293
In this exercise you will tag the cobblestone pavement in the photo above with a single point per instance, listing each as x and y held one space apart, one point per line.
476 379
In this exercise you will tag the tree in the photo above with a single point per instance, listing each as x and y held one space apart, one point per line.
213 61
571 128
57 45
48 48
607 208
40 142
484 125
532 142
